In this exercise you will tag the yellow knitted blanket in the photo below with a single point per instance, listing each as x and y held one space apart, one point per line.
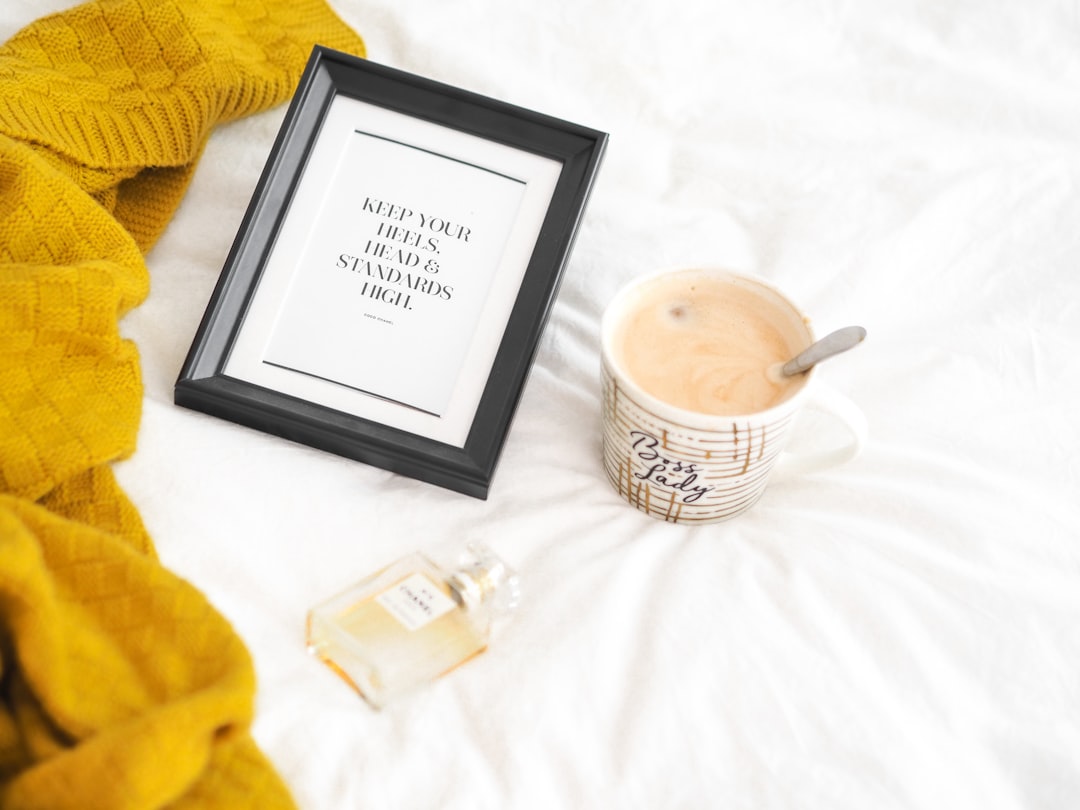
120 686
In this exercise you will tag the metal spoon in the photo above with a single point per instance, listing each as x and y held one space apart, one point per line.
833 343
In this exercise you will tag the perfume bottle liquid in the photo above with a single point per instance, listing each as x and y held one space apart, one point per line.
411 622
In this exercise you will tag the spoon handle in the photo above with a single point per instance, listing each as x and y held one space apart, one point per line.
833 343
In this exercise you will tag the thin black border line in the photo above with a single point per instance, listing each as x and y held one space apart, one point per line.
440 155
350 387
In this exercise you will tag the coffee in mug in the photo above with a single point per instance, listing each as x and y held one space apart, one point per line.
706 344
695 412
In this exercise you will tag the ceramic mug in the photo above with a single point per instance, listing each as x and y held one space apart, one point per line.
692 467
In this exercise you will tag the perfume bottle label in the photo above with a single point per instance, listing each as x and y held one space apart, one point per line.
415 601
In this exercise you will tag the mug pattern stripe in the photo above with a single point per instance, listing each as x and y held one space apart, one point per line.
687 474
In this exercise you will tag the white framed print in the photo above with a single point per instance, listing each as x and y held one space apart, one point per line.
392 276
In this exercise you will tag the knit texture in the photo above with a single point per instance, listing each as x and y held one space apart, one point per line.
120 685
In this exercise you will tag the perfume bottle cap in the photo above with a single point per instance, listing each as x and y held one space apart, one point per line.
486 580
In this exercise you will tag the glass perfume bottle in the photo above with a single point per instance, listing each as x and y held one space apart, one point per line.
412 621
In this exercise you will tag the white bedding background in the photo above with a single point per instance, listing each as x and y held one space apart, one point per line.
902 632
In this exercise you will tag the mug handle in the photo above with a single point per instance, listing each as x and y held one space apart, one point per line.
831 402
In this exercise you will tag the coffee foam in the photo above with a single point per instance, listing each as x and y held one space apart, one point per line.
704 343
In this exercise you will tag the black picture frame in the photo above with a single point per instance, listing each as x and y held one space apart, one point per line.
207 382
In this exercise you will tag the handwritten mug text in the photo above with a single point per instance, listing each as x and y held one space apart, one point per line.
673 473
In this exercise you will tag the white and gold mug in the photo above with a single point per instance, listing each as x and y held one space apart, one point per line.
688 456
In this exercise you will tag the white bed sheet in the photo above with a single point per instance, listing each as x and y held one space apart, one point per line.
901 632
